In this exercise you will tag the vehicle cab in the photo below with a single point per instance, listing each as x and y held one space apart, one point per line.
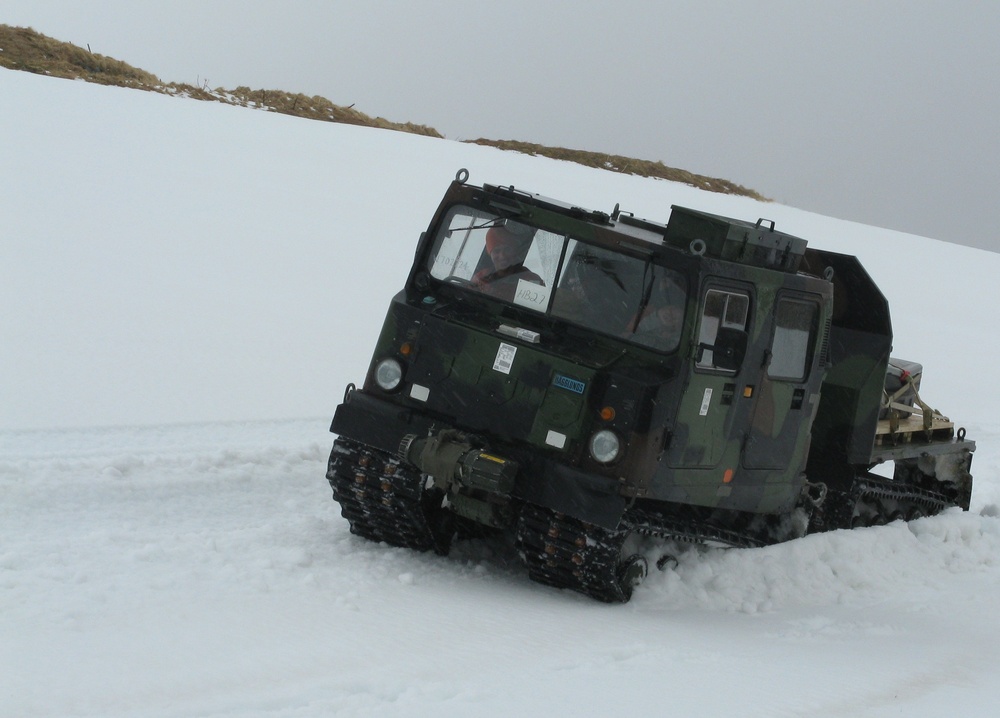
602 359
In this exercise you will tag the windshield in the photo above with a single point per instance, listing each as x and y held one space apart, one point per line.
597 288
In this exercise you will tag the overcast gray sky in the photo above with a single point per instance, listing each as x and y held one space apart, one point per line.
878 111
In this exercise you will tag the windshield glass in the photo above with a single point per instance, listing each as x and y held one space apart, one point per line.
598 288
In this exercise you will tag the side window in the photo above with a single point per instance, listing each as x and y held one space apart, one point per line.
723 309
795 324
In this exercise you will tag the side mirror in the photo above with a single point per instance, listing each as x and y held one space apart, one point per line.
729 350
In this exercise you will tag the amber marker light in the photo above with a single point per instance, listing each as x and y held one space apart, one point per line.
608 413
728 476
406 349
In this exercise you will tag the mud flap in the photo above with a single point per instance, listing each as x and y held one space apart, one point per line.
594 499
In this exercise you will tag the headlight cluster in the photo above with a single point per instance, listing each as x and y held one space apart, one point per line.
604 446
388 374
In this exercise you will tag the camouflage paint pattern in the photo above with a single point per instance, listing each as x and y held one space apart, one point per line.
690 433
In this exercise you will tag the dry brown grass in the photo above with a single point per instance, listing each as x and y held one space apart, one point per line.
626 165
28 50
24 49
318 108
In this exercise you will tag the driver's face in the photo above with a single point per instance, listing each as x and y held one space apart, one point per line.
506 254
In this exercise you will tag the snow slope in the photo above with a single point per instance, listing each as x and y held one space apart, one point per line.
199 276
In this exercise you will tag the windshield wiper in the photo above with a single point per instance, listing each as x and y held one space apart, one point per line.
647 292
488 225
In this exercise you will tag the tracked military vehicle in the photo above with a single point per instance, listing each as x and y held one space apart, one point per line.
573 379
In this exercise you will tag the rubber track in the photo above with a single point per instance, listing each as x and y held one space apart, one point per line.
383 499
870 490
564 552
386 500
689 530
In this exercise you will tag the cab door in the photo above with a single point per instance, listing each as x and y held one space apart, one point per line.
784 399
709 411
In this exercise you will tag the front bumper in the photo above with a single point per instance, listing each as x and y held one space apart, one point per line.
540 480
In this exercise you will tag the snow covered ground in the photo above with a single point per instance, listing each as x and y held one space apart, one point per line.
198 276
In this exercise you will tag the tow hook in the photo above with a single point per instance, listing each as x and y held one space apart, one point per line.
815 493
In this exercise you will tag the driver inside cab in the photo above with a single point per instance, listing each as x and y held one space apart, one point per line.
507 245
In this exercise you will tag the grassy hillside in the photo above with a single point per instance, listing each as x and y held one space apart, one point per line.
28 50
626 165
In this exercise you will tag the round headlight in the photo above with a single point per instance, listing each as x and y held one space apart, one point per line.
604 446
388 374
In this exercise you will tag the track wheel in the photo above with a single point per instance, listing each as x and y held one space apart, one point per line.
631 572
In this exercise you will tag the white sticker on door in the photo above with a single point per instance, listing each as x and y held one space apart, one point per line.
705 402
